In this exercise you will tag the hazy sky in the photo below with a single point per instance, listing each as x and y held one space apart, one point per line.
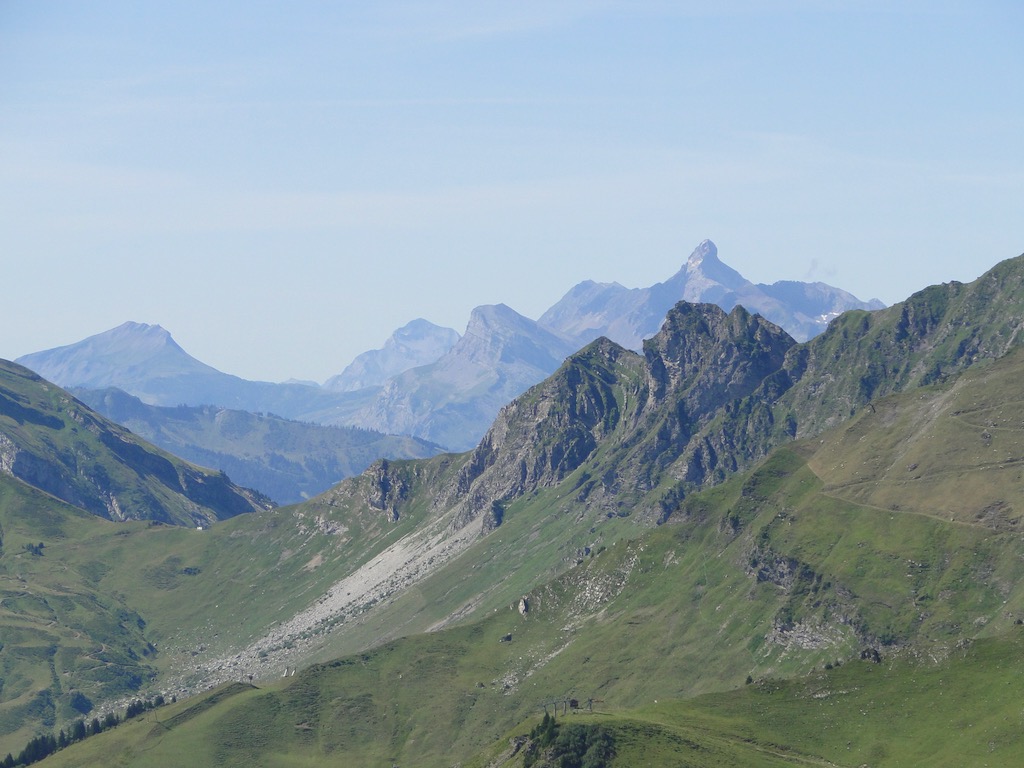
281 185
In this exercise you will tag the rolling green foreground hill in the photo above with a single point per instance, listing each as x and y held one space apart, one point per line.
777 575
636 528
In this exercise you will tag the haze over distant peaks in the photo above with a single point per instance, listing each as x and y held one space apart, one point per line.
146 362
453 400
417 343
429 382
107 359
629 315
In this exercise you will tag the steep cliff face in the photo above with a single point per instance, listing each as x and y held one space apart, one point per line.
709 358
542 437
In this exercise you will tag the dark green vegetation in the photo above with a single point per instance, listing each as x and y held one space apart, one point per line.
287 460
867 580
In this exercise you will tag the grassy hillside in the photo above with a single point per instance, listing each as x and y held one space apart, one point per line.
419 703
105 609
780 576
53 442
961 710
64 644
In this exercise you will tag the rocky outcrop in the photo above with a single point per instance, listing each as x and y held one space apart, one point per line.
548 433
386 489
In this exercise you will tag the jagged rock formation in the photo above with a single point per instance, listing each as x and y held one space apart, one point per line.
626 417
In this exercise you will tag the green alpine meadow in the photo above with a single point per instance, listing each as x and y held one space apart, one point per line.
731 549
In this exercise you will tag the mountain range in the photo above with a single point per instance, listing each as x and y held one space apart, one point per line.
735 548
426 381
628 316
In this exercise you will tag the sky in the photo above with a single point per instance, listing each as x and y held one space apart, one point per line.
282 185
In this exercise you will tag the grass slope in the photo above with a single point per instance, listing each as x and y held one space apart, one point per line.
830 547
771 575
53 442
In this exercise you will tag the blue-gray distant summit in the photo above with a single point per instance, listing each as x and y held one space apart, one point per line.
627 316
126 355
145 361
414 344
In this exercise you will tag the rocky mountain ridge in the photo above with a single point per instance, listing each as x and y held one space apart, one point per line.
425 383
714 393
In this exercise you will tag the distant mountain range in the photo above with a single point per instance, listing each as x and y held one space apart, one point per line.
427 381
627 316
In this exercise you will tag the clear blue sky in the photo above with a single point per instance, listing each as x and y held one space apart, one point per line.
281 185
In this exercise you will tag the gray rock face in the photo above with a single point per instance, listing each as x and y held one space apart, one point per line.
414 344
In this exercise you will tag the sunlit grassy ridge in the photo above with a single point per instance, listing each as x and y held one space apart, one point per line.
773 575
600 544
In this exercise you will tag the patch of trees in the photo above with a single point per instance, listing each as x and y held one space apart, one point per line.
554 745
42 747
35 549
